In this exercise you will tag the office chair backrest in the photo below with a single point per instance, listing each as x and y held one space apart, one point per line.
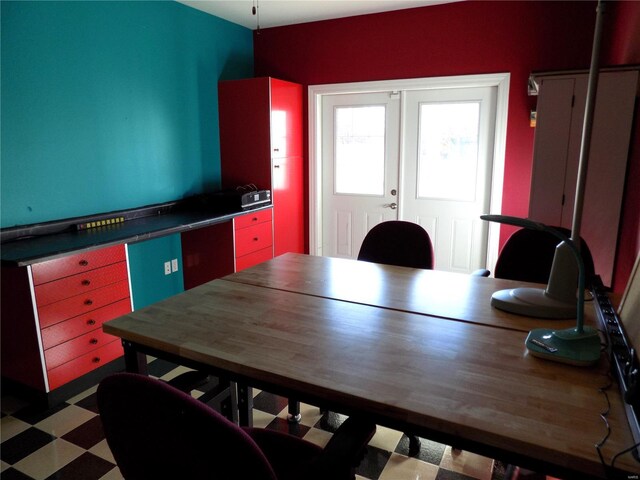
157 431
528 254
400 243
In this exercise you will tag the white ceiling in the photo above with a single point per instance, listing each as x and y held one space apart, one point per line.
275 13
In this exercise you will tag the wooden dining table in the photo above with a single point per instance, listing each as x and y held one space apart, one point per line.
415 350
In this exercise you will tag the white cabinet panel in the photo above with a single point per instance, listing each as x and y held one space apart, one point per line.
560 110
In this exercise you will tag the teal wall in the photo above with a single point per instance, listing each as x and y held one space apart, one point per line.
110 105
149 283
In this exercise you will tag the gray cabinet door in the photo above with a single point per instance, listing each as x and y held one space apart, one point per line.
560 116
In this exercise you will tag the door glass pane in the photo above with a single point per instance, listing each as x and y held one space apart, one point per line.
359 150
448 150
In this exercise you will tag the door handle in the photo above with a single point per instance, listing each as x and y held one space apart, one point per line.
392 206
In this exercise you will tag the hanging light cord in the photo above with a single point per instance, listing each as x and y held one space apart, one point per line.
255 11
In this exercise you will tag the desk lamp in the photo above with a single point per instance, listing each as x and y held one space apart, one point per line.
558 300
580 345
576 346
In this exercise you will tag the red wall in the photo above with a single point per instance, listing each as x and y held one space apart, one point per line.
452 39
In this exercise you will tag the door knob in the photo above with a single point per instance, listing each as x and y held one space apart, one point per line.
392 206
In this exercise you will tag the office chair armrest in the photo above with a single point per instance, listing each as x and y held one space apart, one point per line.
481 272
345 450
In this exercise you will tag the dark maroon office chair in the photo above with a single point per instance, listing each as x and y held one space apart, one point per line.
400 243
157 431
527 256
404 244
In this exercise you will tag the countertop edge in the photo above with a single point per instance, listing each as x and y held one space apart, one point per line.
97 241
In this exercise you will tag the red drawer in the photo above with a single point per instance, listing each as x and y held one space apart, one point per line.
254 258
57 290
83 303
84 364
74 327
254 238
72 264
253 218
67 351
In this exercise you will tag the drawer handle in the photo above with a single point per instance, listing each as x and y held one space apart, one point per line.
93 341
95 359
91 321
88 301
276 166
254 219
83 263
86 282
255 239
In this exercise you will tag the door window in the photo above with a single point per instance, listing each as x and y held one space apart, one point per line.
448 150
359 150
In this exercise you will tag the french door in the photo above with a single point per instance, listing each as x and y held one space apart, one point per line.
426 155
360 168
447 163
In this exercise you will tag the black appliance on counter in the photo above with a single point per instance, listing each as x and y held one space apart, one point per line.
247 197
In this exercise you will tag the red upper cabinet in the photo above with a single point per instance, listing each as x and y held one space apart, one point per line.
286 119
261 144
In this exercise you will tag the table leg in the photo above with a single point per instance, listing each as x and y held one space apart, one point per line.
228 406
134 361
294 412
244 401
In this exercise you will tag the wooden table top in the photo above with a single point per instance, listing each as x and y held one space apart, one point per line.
463 379
431 292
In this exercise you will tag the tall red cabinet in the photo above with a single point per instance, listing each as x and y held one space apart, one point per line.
261 144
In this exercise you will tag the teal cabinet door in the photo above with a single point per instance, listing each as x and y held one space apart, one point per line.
155 267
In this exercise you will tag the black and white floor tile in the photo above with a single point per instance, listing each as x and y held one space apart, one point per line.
67 442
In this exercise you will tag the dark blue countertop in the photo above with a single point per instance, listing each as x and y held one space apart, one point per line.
34 247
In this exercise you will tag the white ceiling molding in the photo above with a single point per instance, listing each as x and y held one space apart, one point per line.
275 13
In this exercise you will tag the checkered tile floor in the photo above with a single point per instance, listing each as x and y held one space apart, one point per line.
67 442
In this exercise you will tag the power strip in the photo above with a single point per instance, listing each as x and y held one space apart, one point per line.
623 357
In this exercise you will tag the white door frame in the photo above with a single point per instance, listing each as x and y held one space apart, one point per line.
315 92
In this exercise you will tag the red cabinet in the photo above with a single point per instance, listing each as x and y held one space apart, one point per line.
83 303
76 264
79 284
52 316
207 254
253 239
261 144
83 364
82 324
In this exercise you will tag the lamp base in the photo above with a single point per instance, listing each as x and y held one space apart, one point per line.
565 346
533 302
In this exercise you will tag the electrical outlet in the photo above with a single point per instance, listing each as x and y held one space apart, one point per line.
174 265
167 268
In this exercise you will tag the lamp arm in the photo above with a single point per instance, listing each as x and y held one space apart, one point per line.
532 225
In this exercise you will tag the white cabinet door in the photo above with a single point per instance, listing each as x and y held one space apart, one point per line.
560 110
